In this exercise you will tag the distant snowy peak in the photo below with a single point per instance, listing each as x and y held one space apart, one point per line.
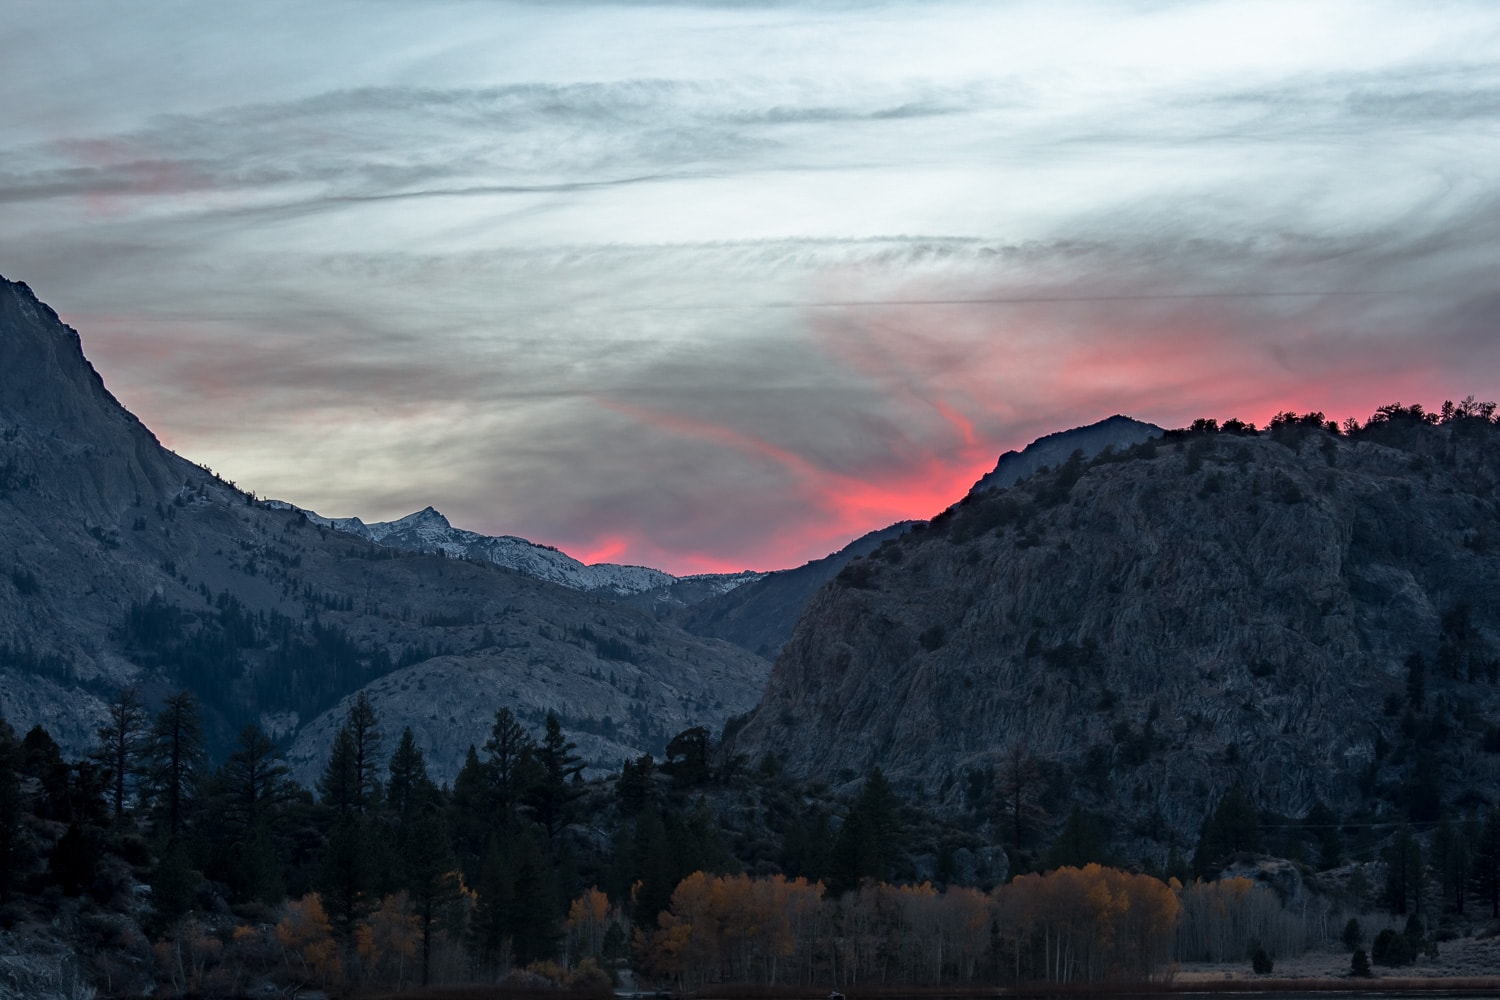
722 583
429 531
1054 449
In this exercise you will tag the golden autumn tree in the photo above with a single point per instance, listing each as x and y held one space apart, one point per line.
387 940
589 916
1087 925
306 939
733 928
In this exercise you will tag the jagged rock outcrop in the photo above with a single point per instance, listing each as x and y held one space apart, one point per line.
122 563
1147 629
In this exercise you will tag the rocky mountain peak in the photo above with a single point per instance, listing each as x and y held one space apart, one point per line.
121 563
60 422
1114 432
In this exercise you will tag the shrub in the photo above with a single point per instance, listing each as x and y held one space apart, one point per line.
1392 948
1353 935
1359 965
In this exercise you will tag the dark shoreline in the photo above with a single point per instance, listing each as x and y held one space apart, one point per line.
1392 986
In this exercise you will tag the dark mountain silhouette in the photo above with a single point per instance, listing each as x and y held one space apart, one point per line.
1312 615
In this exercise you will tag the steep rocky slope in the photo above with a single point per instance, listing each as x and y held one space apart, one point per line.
760 615
125 564
1137 633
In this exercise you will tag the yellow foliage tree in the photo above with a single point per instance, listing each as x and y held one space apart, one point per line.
1087 924
387 940
589 916
306 939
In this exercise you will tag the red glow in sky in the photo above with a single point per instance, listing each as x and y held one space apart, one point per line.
993 380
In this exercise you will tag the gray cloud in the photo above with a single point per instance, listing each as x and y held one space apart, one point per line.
734 282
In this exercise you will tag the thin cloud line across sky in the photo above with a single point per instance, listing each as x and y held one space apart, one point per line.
1007 300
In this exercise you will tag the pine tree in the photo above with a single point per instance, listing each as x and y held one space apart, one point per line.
688 757
1233 827
534 923
470 807
73 861
1323 824
39 757
252 791
634 789
122 744
805 848
1083 840
1452 858
344 877
654 869
508 751
338 787
254 778
365 736
255 869
552 795
11 810
1353 935
700 841
488 927
174 885
1019 787
856 855
428 875
1486 865
176 760
409 791
869 841
1404 869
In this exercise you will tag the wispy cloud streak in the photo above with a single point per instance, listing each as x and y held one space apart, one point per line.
709 285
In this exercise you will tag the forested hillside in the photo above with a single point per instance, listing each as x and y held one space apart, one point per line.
143 869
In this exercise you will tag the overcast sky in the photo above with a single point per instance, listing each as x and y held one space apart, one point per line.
711 286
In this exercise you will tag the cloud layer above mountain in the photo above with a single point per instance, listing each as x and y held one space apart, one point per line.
709 286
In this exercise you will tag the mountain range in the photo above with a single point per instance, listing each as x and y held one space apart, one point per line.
429 531
128 565
1118 619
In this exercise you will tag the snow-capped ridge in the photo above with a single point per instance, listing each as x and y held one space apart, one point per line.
427 530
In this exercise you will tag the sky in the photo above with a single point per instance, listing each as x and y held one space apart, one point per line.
715 286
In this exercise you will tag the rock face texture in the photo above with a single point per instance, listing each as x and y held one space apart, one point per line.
1313 615
122 563
760 615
